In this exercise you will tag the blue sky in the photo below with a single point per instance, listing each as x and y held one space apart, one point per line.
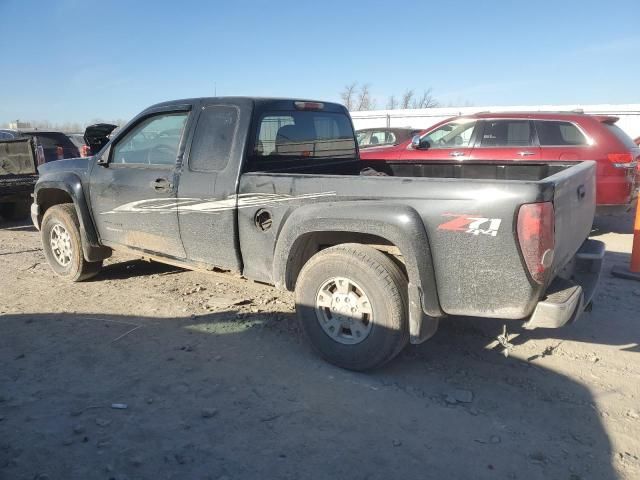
77 60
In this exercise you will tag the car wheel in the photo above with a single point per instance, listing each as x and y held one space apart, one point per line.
351 302
62 244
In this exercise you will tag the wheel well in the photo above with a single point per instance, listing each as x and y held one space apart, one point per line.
307 245
48 197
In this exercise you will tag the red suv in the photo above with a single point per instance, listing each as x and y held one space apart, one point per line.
531 137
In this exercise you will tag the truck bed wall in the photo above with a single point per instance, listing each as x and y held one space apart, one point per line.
17 157
478 272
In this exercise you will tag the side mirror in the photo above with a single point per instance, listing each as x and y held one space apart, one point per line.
417 142
103 157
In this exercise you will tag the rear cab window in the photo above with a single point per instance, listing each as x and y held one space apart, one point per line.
292 138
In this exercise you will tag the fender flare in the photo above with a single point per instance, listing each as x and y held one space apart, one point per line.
399 224
71 184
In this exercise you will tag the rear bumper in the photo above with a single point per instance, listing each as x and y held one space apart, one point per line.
569 294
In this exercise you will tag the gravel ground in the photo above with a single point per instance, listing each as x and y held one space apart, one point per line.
218 384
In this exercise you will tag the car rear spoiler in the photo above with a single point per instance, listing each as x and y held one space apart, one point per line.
97 135
608 119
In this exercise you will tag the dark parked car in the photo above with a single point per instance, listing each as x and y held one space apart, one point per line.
273 189
80 143
376 137
17 175
49 145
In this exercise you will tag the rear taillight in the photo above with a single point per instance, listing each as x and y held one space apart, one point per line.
59 153
536 237
40 155
616 158
85 151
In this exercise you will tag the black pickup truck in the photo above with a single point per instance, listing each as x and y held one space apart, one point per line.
18 176
273 189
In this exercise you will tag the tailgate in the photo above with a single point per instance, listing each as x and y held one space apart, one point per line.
574 203
17 157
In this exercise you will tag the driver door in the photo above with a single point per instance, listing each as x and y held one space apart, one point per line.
453 140
133 196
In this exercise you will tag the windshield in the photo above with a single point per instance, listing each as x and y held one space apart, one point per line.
307 134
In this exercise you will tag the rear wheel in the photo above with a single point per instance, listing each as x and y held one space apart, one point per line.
62 244
351 301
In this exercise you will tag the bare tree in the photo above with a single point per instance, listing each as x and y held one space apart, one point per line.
407 97
364 99
392 103
348 95
426 100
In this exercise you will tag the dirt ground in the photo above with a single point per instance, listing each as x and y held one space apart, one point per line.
218 384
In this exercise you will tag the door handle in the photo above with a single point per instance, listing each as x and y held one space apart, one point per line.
456 154
161 184
525 153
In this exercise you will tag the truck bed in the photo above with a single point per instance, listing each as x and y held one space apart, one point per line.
17 170
479 273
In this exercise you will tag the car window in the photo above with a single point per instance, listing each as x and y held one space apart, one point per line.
558 133
454 134
305 134
213 138
154 141
621 135
382 137
5 136
506 133
53 140
360 137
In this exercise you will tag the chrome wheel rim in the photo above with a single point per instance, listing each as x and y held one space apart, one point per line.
60 242
344 311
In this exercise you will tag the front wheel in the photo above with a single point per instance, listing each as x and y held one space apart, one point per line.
62 244
351 301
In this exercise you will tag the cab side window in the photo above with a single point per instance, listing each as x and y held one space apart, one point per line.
213 138
154 141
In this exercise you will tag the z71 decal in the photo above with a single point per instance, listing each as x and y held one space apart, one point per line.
473 224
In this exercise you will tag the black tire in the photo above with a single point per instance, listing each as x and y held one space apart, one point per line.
383 283
77 268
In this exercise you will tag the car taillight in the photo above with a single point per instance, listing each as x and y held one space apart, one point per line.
85 151
616 158
40 155
309 105
60 153
536 237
